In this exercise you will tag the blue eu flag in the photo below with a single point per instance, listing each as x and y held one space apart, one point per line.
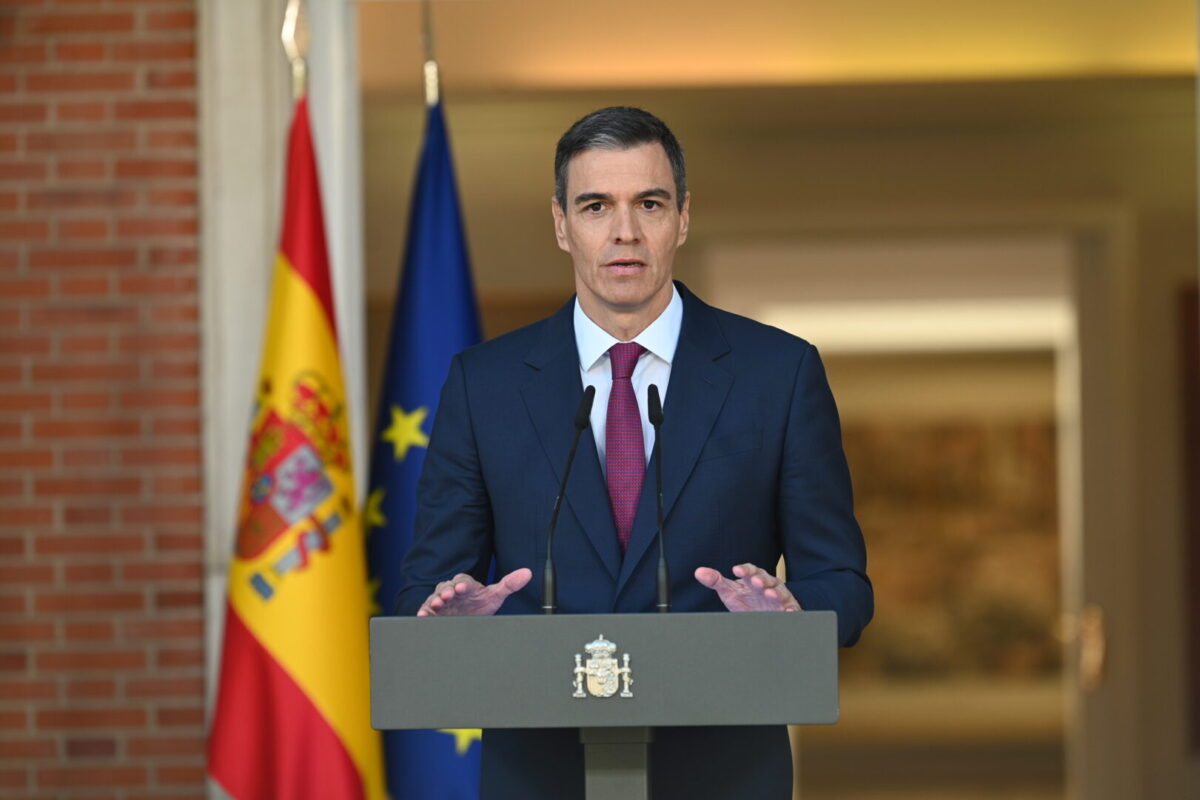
435 318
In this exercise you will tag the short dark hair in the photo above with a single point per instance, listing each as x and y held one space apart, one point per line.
617 128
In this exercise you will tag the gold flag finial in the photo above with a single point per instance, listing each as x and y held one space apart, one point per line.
295 37
432 88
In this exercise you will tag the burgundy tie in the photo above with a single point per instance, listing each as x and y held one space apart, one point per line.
624 450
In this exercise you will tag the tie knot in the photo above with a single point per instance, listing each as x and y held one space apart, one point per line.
624 357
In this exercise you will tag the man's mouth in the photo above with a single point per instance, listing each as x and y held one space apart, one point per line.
625 264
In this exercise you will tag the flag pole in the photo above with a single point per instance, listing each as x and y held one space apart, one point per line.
295 37
431 66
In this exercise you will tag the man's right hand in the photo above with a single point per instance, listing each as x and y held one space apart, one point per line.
463 596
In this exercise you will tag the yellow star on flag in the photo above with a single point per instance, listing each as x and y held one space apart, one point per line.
373 511
405 430
463 738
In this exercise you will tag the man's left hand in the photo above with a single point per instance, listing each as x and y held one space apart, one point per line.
753 589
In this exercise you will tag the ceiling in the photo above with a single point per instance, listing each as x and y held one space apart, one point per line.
521 45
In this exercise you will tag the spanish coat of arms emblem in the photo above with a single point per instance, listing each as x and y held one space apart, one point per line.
601 674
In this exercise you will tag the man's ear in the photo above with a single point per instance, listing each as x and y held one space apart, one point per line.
684 218
560 224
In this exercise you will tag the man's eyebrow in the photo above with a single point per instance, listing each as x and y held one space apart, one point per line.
591 197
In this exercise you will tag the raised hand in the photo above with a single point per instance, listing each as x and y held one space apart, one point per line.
754 589
463 596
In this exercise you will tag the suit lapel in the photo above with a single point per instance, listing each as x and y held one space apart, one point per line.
551 396
695 395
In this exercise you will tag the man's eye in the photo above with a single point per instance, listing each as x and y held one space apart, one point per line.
594 208
650 205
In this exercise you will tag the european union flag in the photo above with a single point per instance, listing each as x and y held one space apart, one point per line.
435 318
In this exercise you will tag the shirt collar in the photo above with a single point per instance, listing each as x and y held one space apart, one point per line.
660 336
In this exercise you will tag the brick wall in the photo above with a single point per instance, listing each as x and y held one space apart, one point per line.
101 640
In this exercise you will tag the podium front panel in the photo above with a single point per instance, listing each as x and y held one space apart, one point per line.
685 669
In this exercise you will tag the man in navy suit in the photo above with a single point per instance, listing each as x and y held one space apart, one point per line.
752 463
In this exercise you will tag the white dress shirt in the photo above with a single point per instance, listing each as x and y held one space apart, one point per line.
654 366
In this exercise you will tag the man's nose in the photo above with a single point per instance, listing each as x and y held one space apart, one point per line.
625 227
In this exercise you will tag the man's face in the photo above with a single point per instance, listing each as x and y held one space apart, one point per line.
621 226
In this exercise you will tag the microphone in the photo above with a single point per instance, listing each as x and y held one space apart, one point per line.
654 413
583 416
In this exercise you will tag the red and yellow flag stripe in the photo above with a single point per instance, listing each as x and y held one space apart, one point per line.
293 712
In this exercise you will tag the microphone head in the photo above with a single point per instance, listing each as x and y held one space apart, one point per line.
583 414
654 409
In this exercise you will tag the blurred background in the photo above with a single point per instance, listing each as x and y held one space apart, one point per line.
983 214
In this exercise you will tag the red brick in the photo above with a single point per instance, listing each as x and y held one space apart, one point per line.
87 515
174 138
172 256
82 229
93 631
179 542
139 747
81 111
86 400
14 778
87 487
25 229
89 544
155 109
87 428
74 141
13 720
79 81
157 226
180 657
25 459
20 517
179 775
88 457
81 316
92 689
170 484
12 632
60 199
153 51
80 24
12 53
79 51
166 571
115 660
8 142
9 259
18 344
171 197
30 574
91 748
157 284
180 717
100 371
12 604
165 687
90 286
22 401
11 431
22 288
28 689
12 546
170 79
163 342
171 21
22 112
178 599
73 345
81 170
91 775
162 398
9 201
94 257
22 749
157 629
13 661
153 514
165 370
66 602
8 84
175 312
146 168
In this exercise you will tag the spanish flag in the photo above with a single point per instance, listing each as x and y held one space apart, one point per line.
292 715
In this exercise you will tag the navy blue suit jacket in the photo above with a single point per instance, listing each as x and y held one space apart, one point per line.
753 469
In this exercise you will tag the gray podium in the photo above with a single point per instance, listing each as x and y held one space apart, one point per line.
539 672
